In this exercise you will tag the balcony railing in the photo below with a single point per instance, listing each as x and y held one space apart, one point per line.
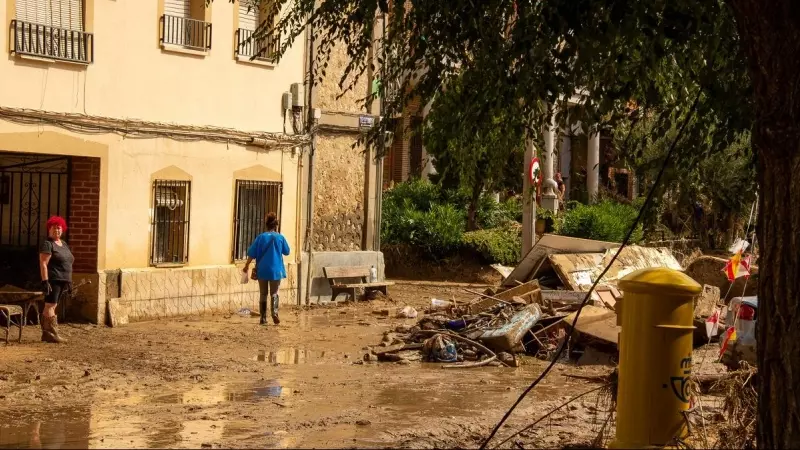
189 33
50 42
264 47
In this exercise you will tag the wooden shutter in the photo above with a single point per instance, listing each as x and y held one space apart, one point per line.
178 8
248 19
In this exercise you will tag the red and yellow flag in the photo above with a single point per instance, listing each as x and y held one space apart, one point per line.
737 266
730 336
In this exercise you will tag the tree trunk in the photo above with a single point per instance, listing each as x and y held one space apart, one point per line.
770 33
472 210
475 197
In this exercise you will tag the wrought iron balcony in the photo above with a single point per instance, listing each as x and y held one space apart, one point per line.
45 41
264 47
189 33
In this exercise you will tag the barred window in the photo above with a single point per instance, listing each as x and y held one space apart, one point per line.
170 222
254 200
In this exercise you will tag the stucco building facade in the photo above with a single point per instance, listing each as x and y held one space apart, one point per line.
148 127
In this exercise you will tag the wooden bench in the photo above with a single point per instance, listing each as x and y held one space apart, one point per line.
341 279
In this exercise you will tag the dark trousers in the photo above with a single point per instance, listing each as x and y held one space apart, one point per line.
269 289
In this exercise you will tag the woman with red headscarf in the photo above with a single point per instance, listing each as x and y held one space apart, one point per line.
55 266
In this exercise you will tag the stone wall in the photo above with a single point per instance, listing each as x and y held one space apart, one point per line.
338 193
148 294
320 287
328 91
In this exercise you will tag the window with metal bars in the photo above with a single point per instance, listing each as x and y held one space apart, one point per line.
254 200
170 222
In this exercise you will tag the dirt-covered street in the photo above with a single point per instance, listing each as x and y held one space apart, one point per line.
224 381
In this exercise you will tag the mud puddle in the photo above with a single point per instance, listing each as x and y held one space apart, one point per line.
291 356
99 427
140 421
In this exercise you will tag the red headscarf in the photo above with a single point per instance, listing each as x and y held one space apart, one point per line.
57 221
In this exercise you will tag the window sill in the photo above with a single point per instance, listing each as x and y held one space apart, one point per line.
256 62
169 265
48 60
184 50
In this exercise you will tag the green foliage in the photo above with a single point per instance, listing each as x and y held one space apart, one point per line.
414 214
439 231
485 156
423 215
421 194
605 221
723 183
497 245
492 214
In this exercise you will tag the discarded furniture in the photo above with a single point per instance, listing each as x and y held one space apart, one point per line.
8 312
12 295
338 277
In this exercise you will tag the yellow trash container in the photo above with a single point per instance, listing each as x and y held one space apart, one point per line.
655 357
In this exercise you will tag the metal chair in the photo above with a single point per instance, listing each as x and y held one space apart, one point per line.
8 312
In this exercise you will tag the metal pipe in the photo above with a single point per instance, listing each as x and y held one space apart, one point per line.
312 129
381 142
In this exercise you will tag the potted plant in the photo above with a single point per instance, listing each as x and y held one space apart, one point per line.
545 220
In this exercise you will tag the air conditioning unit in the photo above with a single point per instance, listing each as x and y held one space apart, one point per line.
298 95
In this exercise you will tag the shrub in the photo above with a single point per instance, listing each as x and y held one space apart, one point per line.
413 216
438 232
496 245
492 214
421 194
604 221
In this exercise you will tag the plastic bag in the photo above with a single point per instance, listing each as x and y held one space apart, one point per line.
408 313
245 277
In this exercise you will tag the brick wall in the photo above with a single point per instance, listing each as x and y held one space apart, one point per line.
84 213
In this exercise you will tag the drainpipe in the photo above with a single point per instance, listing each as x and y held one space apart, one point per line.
382 149
312 129
298 194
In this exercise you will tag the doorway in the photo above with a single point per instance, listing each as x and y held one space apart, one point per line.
32 188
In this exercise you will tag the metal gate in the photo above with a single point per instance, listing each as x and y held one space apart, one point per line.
32 188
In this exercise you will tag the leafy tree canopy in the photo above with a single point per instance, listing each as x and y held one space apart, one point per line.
520 55
480 156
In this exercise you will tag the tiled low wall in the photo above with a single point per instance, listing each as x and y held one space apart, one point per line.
149 294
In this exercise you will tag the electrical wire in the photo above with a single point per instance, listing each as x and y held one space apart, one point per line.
648 200
138 129
552 411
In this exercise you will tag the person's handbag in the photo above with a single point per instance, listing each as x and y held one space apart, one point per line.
254 273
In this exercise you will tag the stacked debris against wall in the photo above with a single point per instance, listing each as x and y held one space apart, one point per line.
533 309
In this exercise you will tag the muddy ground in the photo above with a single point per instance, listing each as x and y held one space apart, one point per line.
224 381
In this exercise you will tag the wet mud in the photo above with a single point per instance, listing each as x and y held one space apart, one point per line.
224 381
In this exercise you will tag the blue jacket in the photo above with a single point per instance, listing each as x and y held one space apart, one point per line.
267 249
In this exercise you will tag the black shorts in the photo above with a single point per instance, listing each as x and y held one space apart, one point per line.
58 288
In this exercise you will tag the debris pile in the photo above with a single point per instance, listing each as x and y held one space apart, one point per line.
491 329
532 310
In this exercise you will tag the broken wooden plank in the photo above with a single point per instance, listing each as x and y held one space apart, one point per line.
599 323
398 348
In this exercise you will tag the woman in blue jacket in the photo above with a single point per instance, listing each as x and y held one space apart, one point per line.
268 249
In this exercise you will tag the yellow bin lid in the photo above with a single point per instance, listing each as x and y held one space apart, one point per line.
659 280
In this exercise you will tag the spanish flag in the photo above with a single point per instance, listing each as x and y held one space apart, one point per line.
730 336
737 266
